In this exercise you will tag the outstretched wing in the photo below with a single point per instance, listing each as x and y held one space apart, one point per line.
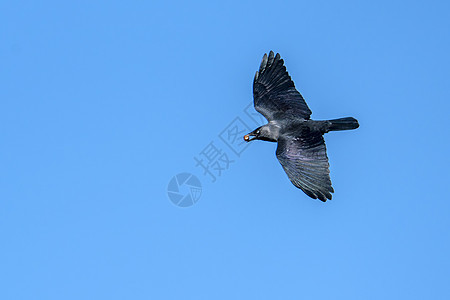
274 92
304 159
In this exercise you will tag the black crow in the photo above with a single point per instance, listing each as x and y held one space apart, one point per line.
301 148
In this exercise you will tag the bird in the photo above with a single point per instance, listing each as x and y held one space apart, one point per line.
301 148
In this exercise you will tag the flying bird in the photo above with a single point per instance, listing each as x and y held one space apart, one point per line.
301 148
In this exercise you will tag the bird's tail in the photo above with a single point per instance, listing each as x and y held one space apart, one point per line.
343 124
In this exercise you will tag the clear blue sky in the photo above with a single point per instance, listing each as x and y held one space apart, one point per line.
103 102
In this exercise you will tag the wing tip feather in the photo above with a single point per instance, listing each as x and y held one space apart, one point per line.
256 76
263 65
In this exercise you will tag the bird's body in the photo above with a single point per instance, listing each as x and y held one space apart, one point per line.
301 148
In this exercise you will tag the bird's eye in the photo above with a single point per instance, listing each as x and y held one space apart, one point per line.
257 132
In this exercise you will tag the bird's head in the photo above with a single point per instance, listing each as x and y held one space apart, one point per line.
252 135
261 133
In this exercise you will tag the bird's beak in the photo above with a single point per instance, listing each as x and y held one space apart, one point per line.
247 137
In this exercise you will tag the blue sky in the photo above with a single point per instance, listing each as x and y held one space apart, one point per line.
103 102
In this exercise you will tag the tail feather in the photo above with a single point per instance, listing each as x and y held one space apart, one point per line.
343 124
